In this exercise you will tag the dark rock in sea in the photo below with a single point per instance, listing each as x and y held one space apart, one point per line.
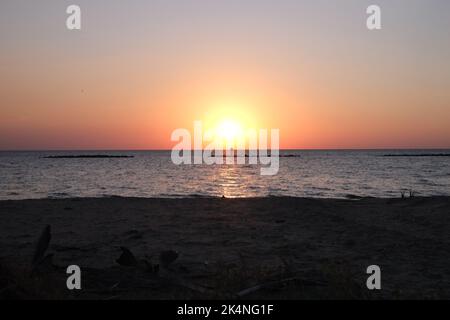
290 156
418 155
90 156
280 155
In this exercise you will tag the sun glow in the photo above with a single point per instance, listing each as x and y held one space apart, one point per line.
227 120
229 131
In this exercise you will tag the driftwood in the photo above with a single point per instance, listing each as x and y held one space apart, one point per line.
272 284
41 247
182 283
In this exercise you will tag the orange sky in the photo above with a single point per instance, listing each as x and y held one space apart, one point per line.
129 87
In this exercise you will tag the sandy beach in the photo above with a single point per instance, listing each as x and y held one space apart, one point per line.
278 247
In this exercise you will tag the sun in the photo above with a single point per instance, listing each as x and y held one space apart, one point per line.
229 131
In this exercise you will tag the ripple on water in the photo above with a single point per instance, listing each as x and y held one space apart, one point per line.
151 174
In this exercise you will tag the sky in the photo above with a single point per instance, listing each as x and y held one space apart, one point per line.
138 70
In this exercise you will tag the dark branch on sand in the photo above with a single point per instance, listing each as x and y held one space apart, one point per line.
41 246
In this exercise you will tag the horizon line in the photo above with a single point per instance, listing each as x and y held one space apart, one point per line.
281 149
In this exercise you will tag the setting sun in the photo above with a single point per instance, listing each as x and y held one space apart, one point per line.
225 150
229 130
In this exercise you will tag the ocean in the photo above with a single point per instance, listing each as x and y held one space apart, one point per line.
302 173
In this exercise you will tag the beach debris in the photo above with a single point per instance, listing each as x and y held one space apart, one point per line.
167 257
193 287
42 246
350 243
114 286
116 297
127 258
274 284
45 265
149 267
134 234
411 193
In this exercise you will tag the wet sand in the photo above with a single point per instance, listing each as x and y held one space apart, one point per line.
289 248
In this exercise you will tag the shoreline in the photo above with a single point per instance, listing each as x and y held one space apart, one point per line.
228 245
347 197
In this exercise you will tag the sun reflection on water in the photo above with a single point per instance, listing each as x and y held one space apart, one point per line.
232 183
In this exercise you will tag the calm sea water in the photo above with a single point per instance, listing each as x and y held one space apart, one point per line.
334 174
